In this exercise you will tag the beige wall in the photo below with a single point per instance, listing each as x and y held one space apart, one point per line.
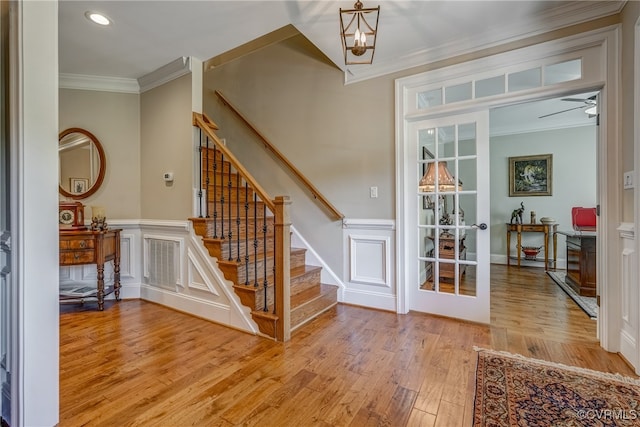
341 137
630 15
166 146
114 119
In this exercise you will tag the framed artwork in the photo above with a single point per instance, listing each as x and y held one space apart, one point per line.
427 201
78 185
531 175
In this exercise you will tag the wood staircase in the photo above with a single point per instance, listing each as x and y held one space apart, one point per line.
240 234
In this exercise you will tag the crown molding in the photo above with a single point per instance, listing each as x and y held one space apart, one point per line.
165 74
98 83
560 17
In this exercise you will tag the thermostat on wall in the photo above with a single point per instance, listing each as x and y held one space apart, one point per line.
168 176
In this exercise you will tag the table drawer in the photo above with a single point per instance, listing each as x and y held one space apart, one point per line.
77 244
77 257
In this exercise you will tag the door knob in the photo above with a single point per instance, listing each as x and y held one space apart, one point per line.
481 226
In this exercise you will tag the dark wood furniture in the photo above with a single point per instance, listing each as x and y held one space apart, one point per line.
447 251
78 247
546 229
581 262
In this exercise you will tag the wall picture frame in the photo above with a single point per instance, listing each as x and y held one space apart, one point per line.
78 185
531 175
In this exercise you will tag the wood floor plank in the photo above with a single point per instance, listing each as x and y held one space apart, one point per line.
141 364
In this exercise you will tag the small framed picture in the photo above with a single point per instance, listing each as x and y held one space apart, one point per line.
531 175
78 185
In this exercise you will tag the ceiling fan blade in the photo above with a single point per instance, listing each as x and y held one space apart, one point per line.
558 112
575 99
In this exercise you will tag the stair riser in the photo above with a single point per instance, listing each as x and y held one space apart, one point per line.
305 312
233 210
236 273
240 194
251 224
220 178
220 167
305 281
253 297
220 249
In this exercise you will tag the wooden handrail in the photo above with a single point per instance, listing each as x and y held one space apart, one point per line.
206 126
314 191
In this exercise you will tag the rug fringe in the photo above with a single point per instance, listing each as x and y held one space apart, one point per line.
576 369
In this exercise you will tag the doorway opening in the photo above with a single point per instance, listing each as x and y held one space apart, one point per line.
564 130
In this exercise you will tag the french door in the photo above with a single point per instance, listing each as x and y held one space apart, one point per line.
448 211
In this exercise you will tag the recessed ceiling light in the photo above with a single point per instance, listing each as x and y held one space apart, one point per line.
98 18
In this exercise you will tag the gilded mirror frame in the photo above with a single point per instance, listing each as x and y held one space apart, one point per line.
101 170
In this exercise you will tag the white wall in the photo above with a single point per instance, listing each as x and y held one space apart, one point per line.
574 183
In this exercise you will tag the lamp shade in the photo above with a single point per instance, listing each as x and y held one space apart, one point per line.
446 181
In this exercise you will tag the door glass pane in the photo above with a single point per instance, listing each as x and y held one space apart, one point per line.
563 72
457 93
527 79
468 284
489 87
430 98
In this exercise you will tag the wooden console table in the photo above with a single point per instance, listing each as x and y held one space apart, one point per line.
78 247
546 229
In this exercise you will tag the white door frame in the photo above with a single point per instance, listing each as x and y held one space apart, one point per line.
600 50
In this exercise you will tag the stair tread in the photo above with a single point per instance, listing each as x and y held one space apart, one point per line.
311 294
269 254
294 273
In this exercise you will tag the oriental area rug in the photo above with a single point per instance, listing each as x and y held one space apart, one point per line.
512 390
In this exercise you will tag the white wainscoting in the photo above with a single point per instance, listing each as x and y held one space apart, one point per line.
200 288
369 269
629 317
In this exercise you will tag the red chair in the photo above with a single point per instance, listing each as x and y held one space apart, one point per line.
583 219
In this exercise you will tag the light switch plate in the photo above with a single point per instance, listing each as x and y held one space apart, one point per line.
627 182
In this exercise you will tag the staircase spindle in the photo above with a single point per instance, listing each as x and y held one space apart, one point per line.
200 175
222 199
255 240
207 178
215 192
238 219
229 205
246 234
264 255
275 248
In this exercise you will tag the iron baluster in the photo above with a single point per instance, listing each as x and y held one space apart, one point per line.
215 192
207 178
238 218
229 206
200 176
222 199
246 233
264 255
255 240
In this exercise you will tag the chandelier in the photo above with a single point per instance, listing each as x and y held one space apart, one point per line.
358 35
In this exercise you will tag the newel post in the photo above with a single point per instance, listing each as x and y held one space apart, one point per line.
282 225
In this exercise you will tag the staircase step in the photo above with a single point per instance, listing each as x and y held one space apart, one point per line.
302 278
219 178
239 193
205 227
235 271
311 303
224 210
221 249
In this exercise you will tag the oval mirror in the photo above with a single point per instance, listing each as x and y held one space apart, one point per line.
82 163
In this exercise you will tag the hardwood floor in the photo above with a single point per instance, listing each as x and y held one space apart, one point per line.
140 364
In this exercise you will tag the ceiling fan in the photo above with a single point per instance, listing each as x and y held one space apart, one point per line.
589 106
